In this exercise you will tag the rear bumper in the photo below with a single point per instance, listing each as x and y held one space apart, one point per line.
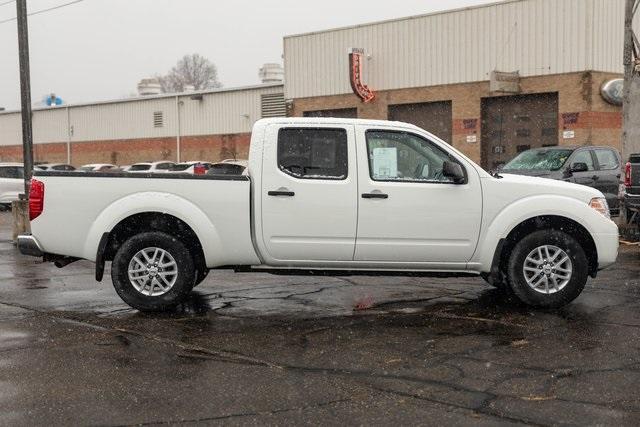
632 200
29 245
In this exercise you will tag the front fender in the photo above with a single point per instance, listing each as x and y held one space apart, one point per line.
501 224
165 203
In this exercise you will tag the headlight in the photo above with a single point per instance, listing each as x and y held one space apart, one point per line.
600 204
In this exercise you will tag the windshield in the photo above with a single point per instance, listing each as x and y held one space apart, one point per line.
539 160
140 167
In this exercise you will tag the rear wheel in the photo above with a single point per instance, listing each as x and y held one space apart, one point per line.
153 271
548 269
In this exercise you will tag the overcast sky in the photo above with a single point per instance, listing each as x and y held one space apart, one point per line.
100 49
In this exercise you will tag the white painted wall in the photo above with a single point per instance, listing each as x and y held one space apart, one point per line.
536 37
219 112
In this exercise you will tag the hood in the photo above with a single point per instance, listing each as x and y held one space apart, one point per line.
532 185
525 172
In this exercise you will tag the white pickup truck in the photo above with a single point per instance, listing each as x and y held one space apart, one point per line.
333 195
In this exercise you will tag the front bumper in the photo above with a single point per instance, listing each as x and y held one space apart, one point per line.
29 245
607 246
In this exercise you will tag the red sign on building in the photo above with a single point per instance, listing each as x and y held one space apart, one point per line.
355 74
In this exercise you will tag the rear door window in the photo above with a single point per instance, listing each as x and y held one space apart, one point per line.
607 159
307 153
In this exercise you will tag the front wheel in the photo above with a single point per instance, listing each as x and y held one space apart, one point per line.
153 271
548 269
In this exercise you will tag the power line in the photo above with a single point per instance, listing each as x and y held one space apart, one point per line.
7 2
38 12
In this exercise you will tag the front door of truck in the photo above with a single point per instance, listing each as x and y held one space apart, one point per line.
309 193
409 212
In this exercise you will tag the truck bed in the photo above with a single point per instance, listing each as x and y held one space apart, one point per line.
80 207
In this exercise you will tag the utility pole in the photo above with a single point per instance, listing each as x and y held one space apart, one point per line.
631 100
20 208
25 93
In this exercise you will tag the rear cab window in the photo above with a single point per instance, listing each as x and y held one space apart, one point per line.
311 153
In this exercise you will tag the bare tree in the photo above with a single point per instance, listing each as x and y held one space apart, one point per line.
191 70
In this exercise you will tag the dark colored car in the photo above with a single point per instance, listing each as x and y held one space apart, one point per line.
631 196
597 167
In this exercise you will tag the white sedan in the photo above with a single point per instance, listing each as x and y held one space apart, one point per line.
151 167
11 183
97 167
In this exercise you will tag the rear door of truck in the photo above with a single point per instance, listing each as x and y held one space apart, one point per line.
309 192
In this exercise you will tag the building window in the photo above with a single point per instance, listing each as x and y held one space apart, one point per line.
313 153
548 131
523 133
158 119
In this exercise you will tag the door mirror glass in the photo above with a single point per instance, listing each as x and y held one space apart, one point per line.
579 167
454 171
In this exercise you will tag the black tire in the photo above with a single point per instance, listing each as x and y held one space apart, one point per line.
184 282
559 239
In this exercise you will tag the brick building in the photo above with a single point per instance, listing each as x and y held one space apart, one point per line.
447 73
205 125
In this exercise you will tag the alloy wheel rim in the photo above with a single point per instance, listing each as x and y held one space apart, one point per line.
547 269
153 271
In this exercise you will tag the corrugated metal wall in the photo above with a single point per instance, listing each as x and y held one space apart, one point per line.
536 37
222 112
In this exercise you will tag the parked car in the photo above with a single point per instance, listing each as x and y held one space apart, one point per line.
98 167
189 167
11 183
331 195
152 167
631 189
229 167
55 167
597 167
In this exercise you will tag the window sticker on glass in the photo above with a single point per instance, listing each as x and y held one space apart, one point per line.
385 162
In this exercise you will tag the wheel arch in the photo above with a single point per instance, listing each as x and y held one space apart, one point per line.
542 222
147 222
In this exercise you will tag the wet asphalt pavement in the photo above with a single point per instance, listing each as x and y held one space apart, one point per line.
262 349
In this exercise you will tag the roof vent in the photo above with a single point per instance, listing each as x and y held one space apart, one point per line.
271 73
148 87
273 105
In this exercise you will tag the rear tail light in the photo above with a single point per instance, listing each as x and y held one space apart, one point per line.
36 199
199 169
627 175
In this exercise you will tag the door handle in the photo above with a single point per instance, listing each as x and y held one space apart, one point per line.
281 193
375 196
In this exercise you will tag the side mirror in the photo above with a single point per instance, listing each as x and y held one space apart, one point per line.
579 167
454 171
